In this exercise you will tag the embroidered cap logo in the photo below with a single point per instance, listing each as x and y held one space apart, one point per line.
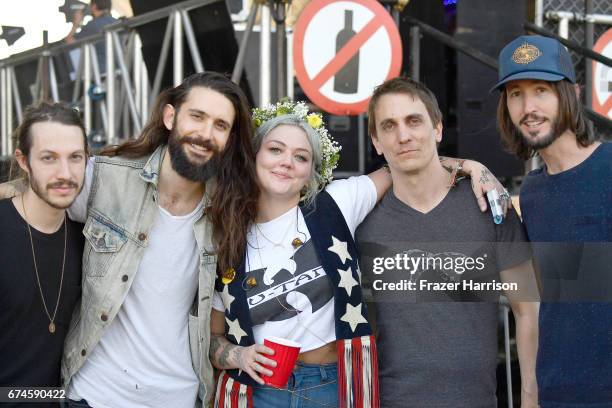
525 54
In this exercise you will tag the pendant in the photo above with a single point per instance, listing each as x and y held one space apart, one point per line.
51 327
251 282
296 243
228 276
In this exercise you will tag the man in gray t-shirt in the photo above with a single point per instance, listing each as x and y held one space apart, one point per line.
436 264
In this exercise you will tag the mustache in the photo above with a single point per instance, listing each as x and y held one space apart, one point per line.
62 183
207 144
531 116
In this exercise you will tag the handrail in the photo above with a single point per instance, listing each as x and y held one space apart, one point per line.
133 22
453 43
569 44
490 62
593 116
125 100
598 119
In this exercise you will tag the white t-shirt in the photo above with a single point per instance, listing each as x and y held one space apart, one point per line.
143 358
289 280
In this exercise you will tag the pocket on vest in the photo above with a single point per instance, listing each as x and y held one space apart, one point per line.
103 245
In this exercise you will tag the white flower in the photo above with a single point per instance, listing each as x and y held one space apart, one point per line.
329 147
301 109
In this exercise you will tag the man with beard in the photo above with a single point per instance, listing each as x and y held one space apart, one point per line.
40 248
141 335
566 207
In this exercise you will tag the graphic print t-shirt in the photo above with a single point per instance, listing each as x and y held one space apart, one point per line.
293 297
439 349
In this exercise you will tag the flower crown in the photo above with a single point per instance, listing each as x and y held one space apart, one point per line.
330 149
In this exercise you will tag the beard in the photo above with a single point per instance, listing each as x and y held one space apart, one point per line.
535 142
43 191
200 172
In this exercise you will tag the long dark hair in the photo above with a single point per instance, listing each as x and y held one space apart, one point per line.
570 116
234 202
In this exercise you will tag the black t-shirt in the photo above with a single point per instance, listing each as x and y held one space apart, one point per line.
30 355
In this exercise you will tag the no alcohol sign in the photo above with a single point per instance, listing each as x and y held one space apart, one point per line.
602 77
342 50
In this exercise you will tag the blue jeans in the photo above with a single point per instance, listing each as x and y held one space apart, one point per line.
309 386
68 403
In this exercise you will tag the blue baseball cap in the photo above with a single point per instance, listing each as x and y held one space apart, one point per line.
534 57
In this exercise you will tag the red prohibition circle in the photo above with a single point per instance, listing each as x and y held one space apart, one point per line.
311 90
599 46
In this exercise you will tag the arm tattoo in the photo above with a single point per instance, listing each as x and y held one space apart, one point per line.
220 350
224 356
215 344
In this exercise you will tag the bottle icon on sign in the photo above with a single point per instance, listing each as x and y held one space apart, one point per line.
346 78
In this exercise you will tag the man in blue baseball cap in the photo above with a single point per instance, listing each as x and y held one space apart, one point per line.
567 211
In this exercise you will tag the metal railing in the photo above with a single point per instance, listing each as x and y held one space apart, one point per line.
599 120
588 19
505 310
123 85
418 27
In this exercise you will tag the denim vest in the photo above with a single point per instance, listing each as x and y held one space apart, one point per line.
120 213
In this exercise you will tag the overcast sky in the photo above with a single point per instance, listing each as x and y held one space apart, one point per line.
35 16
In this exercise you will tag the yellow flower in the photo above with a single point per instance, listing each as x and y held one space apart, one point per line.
314 120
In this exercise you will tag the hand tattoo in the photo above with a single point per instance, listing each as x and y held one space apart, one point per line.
237 354
485 176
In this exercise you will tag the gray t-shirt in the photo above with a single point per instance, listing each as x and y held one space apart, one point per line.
438 347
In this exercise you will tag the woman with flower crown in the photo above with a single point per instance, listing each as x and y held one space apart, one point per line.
299 278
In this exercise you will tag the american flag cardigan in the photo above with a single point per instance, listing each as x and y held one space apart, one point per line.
356 347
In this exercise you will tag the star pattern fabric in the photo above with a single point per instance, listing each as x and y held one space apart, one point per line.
340 248
235 329
326 224
353 316
227 298
347 281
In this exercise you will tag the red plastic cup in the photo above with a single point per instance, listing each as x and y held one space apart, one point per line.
285 354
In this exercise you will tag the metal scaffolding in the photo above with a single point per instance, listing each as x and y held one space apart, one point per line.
119 95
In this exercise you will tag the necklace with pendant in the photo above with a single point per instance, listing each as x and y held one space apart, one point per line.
295 243
59 294
274 244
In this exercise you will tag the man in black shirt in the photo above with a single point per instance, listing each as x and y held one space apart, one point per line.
40 248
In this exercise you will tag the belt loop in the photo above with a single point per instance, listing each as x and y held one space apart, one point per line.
323 373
